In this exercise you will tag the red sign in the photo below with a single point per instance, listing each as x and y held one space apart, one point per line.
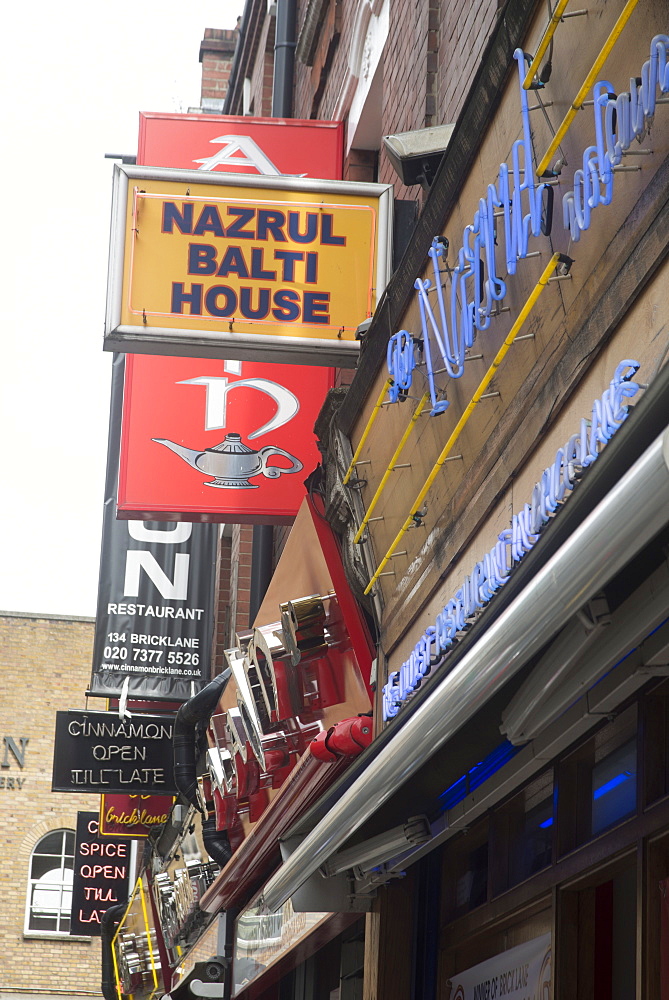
209 440
242 145
133 815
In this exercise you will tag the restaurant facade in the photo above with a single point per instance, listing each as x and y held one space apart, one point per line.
478 574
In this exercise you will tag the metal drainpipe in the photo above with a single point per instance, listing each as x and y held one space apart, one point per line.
284 59
628 517
262 551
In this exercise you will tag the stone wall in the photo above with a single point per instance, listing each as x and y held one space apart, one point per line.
45 665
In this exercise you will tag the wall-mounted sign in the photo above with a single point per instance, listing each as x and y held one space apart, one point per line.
490 573
277 269
522 973
100 752
240 144
100 879
519 205
14 753
216 440
133 815
154 622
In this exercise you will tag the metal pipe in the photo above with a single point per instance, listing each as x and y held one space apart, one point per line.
262 557
392 465
587 84
544 43
471 405
372 417
284 59
108 924
628 517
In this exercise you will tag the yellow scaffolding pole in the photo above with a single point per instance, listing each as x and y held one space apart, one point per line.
372 417
398 451
147 928
457 430
117 974
577 103
551 27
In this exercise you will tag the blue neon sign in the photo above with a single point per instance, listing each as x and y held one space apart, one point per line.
522 205
491 573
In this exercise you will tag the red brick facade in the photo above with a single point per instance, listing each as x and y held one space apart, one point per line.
217 49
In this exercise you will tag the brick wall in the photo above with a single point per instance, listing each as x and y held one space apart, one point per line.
263 71
222 631
360 165
45 666
432 52
317 87
240 576
216 51
464 28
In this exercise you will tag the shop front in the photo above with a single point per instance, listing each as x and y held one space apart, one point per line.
498 473
253 750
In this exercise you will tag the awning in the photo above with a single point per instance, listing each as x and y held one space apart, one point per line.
621 524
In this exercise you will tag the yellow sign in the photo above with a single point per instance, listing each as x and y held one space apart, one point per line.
285 268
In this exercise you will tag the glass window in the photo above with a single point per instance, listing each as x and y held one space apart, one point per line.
614 787
50 884
466 872
472 885
523 834
597 783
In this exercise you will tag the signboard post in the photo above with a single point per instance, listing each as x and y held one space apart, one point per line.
207 264
100 878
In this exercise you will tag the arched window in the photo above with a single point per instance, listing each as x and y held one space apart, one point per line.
50 884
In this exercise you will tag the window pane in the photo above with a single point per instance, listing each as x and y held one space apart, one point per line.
43 866
51 844
614 787
50 890
538 838
42 923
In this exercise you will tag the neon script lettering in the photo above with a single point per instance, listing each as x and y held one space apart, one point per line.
618 120
491 573
515 208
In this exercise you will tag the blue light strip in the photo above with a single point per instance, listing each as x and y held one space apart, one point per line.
477 775
608 786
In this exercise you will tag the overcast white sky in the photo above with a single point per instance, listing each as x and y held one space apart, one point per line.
73 78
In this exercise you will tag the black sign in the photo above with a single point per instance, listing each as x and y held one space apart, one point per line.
155 614
99 752
101 874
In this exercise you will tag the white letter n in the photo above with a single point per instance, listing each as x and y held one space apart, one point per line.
137 560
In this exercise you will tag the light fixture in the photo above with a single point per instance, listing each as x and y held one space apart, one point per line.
362 329
373 852
416 155
556 679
